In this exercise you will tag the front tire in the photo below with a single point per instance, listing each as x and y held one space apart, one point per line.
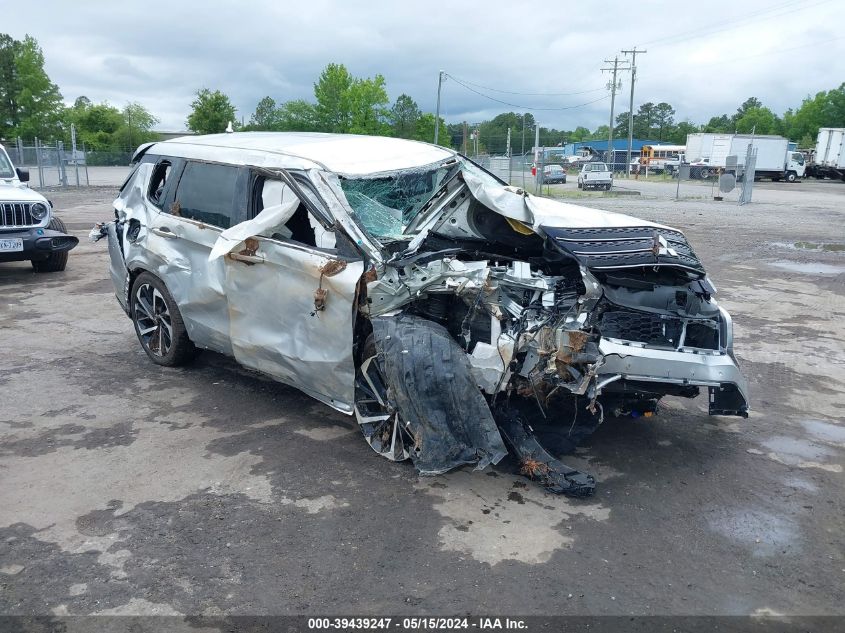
375 412
158 322
791 176
57 260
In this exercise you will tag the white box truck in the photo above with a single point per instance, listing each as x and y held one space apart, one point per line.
829 158
708 153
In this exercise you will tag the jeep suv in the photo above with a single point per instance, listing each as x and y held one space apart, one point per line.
28 228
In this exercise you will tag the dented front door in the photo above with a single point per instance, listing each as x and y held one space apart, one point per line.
291 312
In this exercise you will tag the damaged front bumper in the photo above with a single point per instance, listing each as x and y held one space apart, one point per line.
717 371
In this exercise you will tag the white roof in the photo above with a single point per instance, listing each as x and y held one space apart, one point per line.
347 154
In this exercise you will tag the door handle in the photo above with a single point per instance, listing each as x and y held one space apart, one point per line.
247 259
164 231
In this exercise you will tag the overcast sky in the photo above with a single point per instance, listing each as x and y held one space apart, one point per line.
703 58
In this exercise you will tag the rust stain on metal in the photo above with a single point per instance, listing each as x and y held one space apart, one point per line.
332 267
578 339
370 275
320 295
250 246
534 468
176 209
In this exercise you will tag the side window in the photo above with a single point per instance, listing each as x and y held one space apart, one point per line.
158 182
207 193
300 226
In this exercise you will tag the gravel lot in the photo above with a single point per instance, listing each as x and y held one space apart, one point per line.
130 488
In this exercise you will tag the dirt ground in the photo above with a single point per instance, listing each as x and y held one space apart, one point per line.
130 488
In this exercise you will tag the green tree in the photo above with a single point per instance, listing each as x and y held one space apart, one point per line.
32 104
137 125
825 109
97 125
748 104
9 85
720 124
664 120
759 120
425 131
644 120
210 112
367 100
332 94
581 133
678 135
297 116
620 130
265 117
403 116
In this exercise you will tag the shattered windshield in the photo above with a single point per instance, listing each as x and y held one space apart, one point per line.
388 203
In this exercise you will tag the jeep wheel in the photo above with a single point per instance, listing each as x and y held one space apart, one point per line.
57 260
158 322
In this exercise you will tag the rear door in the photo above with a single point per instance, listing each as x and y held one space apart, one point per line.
292 296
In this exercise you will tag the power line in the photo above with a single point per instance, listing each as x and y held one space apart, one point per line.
526 94
738 23
524 107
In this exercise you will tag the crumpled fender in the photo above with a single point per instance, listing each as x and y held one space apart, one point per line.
431 383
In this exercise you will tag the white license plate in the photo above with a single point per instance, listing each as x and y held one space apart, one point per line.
12 245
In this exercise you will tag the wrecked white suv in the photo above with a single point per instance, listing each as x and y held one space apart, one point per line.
455 317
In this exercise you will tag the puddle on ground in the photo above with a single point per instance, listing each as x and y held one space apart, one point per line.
813 246
796 452
796 449
825 431
811 268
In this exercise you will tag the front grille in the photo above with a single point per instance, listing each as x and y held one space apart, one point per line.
15 214
659 330
642 327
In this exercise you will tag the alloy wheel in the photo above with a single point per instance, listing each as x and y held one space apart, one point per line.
152 318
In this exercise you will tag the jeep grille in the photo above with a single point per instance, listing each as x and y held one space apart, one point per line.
16 214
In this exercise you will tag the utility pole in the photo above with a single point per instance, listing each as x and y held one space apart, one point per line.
510 160
634 52
613 87
465 139
437 116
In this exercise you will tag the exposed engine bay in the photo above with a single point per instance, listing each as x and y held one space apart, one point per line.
561 327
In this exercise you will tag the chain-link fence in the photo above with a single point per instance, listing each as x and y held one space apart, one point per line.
554 177
59 164
50 164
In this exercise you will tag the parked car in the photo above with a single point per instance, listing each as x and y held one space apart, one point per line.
455 317
553 174
595 175
28 229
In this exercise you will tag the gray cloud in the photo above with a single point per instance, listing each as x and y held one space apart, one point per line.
160 53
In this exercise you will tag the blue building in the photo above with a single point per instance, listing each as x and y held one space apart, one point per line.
620 149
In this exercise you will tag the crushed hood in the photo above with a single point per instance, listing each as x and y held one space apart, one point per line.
600 240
